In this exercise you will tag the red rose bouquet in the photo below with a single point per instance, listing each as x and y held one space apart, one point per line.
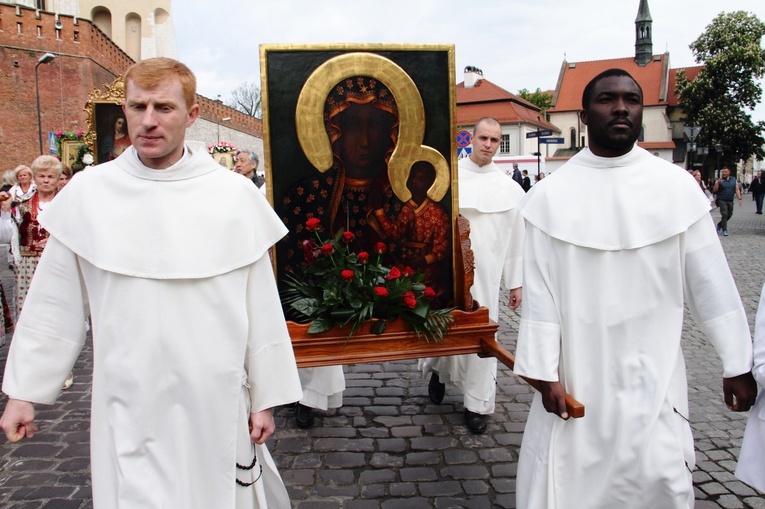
339 286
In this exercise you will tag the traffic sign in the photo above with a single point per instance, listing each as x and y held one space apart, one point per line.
463 139
537 134
691 132
463 152
552 140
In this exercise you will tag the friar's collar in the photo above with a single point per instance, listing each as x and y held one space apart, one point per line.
615 203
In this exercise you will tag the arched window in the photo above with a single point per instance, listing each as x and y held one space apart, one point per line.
160 16
572 137
102 18
133 36
642 133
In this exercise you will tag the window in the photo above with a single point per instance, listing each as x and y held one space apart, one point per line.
572 138
504 145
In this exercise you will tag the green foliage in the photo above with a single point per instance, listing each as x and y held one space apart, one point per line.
338 287
542 100
719 99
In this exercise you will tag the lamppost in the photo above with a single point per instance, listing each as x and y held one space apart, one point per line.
224 119
42 60
718 149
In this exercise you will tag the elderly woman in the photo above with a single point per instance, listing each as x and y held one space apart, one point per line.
31 238
25 186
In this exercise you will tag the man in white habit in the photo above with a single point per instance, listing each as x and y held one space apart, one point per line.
617 242
190 349
488 199
751 460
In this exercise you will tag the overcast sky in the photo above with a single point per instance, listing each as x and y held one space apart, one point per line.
517 43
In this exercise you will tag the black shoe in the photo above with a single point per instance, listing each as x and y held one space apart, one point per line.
475 422
303 416
436 389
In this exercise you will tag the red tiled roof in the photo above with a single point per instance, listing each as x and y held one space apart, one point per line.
690 72
575 76
486 99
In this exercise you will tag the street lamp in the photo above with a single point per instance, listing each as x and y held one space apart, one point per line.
43 60
718 149
224 119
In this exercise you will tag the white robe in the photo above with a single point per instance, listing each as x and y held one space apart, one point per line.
614 248
187 330
487 199
751 461
322 387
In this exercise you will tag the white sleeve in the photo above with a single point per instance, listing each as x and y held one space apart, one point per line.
538 349
513 268
713 298
6 227
51 329
270 361
759 343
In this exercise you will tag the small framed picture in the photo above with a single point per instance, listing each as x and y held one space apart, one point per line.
69 151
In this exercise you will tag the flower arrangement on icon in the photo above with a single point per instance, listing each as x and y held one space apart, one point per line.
338 286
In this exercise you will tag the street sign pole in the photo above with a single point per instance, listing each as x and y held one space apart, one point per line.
539 153
537 134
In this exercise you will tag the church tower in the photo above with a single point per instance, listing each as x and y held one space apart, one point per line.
643 41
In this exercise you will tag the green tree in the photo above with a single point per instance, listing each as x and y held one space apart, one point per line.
542 100
246 98
723 93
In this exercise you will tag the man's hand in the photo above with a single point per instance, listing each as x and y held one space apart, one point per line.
18 420
261 425
516 296
740 392
5 201
554 398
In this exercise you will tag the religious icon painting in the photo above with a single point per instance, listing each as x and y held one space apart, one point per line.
359 139
108 134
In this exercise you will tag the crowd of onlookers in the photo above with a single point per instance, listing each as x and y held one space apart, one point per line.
24 194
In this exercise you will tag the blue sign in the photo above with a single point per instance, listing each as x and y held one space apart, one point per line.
463 139
462 153
552 140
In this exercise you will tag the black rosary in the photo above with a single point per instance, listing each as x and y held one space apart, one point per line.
250 467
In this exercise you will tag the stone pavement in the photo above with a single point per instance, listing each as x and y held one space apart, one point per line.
389 447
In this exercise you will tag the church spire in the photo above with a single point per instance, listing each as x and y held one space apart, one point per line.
643 41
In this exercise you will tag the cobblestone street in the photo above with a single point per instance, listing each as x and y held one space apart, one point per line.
389 447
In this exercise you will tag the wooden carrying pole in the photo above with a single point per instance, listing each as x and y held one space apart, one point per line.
472 333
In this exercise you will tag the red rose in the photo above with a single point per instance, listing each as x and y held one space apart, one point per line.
409 300
363 257
381 291
429 293
380 248
394 273
312 224
347 274
327 249
347 237
408 271
308 250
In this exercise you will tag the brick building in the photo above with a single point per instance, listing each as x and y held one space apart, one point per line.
86 59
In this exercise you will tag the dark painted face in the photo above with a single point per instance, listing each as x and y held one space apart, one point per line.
614 117
364 139
421 177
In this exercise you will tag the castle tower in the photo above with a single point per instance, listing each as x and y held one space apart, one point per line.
643 41
141 28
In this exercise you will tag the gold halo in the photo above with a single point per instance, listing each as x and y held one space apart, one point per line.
313 138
